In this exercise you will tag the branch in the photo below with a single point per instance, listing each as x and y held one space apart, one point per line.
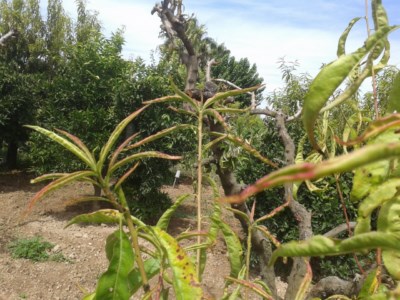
252 94
339 229
8 35
210 63
265 111
272 113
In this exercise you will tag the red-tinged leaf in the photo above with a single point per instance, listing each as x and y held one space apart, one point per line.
307 171
46 177
159 135
251 286
126 175
253 211
80 144
106 216
56 185
190 234
194 103
86 199
65 143
182 111
232 110
185 281
173 99
215 141
249 149
120 149
142 155
115 135
305 284
217 116
268 235
232 93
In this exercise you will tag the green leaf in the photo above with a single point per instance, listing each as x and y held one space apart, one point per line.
320 245
115 135
224 95
88 160
151 267
185 282
343 38
107 216
369 286
389 216
114 283
163 222
383 193
391 259
89 296
330 78
394 96
233 245
369 177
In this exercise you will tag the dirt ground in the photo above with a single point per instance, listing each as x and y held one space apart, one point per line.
82 245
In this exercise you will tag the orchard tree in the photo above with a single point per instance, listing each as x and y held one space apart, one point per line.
22 63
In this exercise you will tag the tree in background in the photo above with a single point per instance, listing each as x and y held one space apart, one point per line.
22 65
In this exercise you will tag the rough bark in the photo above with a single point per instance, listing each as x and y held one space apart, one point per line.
170 13
301 214
333 285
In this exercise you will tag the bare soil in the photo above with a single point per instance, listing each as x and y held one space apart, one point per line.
83 246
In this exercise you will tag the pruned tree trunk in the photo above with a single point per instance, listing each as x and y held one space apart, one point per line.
301 214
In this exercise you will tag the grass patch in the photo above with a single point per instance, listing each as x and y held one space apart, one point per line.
34 249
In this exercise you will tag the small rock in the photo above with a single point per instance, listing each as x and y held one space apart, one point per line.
56 249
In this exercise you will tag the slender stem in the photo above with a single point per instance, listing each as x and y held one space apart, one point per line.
340 193
248 255
135 240
199 185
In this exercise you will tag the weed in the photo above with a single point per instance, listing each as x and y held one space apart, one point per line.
34 249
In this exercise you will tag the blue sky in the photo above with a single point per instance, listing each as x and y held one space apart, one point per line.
261 30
